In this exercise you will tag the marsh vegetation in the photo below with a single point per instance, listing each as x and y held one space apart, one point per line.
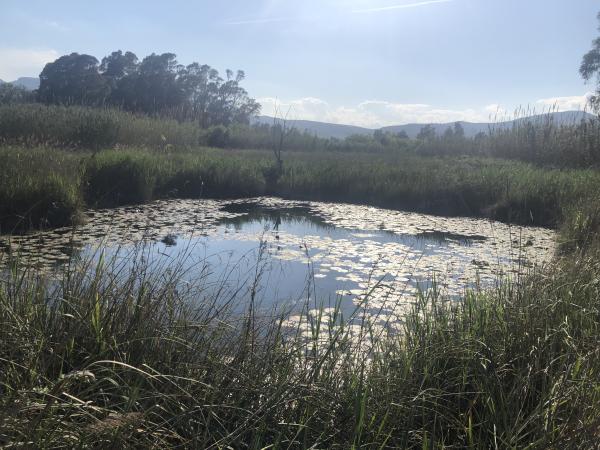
128 320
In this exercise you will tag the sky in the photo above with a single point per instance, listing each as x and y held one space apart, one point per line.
370 63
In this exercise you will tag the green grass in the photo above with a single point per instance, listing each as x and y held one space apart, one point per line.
75 127
124 359
38 189
110 357
45 187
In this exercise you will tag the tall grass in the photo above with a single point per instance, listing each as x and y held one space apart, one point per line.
114 357
49 186
542 139
76 127
38 188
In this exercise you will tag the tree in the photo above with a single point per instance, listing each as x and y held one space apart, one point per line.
119 70
427 133
155 84
449 133
590 67
459 131
73 79
11 94
158 85
118 65
382 137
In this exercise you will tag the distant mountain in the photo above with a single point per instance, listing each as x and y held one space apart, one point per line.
321 129
330 130
471 128
29 83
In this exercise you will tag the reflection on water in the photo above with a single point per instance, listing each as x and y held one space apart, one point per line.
302 250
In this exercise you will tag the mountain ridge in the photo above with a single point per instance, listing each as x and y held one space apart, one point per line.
29 83
341 131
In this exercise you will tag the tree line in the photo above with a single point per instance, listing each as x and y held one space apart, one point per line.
157 85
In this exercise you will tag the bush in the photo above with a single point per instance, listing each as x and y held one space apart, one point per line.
113 179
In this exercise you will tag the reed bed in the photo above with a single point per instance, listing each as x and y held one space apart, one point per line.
107 355
48 187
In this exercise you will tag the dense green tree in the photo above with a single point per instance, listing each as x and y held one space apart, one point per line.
427 133
158 85
119 69
118 65
73 79
459 131
449 133
11 94
590 68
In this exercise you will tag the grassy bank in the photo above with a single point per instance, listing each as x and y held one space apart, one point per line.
112 357
123 359
48 187
79 128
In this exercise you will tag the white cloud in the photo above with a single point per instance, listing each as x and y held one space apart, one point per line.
18 62
377 113
572 103
371 113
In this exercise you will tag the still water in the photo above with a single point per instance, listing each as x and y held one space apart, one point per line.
292 253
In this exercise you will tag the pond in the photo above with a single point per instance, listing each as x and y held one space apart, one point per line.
292 253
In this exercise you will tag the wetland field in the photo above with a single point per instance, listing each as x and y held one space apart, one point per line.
182 296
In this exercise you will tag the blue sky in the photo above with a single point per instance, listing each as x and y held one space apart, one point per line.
363 62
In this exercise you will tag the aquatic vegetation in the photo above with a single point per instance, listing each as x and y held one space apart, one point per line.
378 271
118 355
502 190
117 350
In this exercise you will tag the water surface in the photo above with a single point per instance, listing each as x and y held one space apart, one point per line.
289 253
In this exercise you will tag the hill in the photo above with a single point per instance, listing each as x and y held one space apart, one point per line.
29 83
321 129
332 130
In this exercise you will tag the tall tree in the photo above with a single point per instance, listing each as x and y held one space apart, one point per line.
427 133
157 85
118 65
119 70
459 131
73 79
590 68
11 94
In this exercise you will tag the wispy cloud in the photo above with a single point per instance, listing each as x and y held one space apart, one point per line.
403 6
266 19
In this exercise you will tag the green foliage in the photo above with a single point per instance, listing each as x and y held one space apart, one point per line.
113 179
538 140
157 85
73 80
11 94
590 68
503 190
218 137
86 128
37 189
128 357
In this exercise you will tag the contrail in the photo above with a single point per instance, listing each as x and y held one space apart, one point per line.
408 5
